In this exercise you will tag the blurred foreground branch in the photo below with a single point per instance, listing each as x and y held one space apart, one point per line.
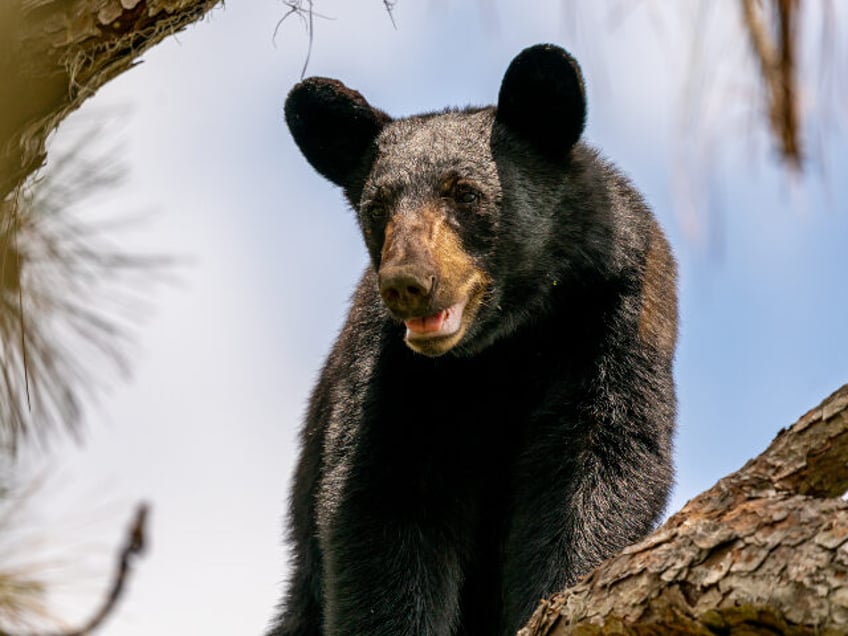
764 551
774 43
54 54
134 545
68 296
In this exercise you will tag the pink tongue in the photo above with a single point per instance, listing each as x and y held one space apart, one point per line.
427 324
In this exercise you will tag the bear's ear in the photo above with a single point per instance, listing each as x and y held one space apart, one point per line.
542 99
334 127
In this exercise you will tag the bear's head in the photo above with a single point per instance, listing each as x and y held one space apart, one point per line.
455 207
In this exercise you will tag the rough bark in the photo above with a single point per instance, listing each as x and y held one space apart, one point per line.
764 551
54 54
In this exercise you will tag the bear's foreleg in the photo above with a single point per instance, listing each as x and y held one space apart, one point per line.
389 577
582 499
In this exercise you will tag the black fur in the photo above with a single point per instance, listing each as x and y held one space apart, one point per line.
334 127
446 495
542 98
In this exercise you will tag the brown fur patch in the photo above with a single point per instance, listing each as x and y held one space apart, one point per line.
424 239
457 270
427 239
658 314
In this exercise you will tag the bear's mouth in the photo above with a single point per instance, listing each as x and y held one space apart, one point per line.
437 333
446 322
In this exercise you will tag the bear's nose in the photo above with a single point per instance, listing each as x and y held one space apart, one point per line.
407 291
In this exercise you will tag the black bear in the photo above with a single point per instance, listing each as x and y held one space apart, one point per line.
497 413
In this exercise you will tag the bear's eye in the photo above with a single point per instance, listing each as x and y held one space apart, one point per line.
466 194
376 211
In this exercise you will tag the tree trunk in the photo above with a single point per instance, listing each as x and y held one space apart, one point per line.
764 551
56 53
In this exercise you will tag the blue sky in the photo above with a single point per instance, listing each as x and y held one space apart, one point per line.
205 428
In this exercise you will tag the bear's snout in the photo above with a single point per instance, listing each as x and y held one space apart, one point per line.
407 290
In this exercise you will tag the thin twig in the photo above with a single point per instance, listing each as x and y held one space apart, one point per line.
293 8
390 5
306 16
311 31
134 544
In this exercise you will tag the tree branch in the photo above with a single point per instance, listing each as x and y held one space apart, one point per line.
134 545
54 54
762 551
